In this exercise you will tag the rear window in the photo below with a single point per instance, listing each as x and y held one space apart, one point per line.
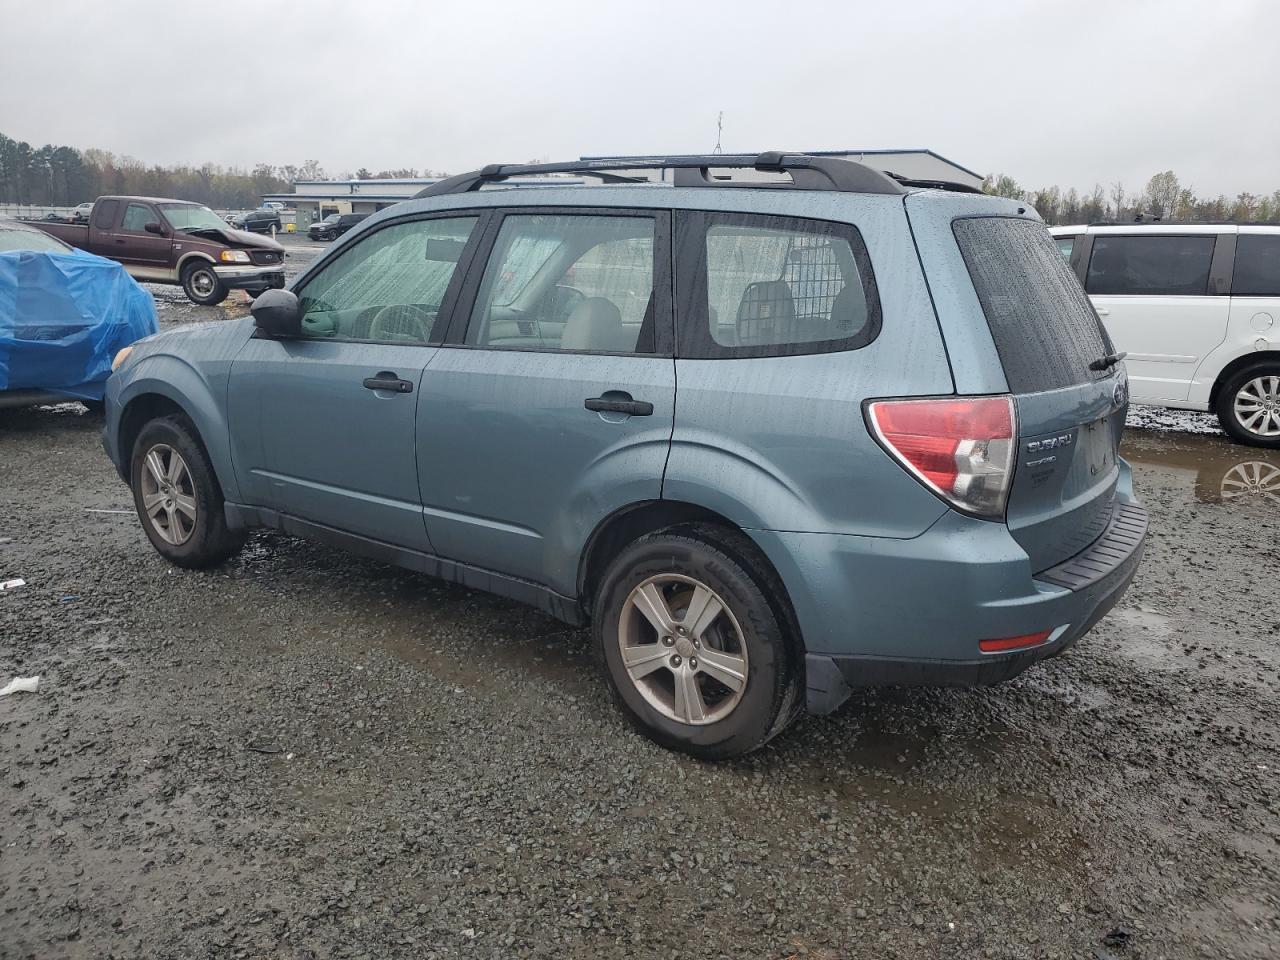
1153 266
1043 325
1257 272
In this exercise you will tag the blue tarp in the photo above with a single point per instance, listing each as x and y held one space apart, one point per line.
63 317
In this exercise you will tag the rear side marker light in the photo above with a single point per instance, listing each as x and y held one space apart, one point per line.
961 448
1005 644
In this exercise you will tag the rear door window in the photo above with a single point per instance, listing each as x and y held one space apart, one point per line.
772 286
1065 246
104 214
1153 265
1257 270
1044 328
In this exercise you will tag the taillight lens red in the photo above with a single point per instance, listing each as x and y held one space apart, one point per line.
961 448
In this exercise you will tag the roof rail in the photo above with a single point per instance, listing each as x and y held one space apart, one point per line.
807 173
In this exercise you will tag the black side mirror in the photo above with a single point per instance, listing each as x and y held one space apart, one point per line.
154 227
276 313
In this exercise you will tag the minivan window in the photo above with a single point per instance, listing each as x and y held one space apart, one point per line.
563 282
773 286
1045 330
1065 246
389 285
1150 265
1257 270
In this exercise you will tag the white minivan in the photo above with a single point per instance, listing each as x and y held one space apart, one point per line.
1197 309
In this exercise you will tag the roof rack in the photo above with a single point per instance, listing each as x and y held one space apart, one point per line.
807 173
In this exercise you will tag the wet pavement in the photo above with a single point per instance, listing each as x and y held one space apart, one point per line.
306 754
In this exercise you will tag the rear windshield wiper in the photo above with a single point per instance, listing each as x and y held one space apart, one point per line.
1110 360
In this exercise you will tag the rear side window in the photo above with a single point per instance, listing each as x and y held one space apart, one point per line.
773 286
1152 265
104 213
1065 246
1045 330
1257 271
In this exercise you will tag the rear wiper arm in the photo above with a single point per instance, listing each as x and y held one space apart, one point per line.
1110 360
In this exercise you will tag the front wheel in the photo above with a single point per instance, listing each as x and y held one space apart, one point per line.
1248 406
178 497
202 285
689 628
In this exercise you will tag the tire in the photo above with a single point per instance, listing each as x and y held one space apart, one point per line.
195 542
677 563
202 285
1257 391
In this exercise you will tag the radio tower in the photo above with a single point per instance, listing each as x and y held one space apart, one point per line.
719 131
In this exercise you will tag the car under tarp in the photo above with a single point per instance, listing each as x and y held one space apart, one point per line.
63 317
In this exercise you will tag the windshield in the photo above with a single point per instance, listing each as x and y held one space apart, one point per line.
11 240
331 218
191 216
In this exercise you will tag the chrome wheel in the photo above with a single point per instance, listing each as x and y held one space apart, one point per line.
1253 478
168 494
683 649
1257 406
203 283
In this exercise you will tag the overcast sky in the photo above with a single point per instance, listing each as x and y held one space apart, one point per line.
1048 92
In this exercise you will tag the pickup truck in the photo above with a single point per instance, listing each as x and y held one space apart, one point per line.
173 241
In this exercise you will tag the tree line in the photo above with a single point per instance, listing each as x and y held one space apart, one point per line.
61 176
1164 198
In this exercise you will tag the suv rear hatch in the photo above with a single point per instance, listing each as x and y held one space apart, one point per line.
1069 415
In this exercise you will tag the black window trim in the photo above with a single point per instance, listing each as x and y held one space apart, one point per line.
1221 259
447 304
1274 235
663 336
694 340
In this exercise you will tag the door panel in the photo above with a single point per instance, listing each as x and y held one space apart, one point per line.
309 439
1165 337
132 244
515 470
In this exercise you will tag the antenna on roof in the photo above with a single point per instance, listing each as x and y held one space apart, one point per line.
719 130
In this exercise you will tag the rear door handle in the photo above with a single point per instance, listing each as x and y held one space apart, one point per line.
386 380
623 404
1103 311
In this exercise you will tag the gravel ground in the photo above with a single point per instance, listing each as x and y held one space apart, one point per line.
308 755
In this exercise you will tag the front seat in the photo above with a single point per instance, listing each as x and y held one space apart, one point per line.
596 324
767 313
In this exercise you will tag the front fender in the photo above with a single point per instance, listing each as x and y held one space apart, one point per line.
200 393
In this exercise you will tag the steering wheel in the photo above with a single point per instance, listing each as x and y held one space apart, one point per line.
401 321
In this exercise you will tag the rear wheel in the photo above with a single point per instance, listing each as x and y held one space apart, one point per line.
202 285
178 497
1248 406
688 627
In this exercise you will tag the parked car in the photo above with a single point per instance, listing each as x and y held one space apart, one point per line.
891 457
172 241
81 212
64 314
275 205
1196 308
334 225
258 221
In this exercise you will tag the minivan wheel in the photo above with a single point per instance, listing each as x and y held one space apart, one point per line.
1248 406
688 628
177 496
202 285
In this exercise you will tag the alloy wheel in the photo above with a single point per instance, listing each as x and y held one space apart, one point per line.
683 649
168 494
202 282
1253 478
1257 406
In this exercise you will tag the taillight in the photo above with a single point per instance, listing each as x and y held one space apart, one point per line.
961 448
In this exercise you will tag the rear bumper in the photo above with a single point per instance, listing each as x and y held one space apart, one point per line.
878 612
251 278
